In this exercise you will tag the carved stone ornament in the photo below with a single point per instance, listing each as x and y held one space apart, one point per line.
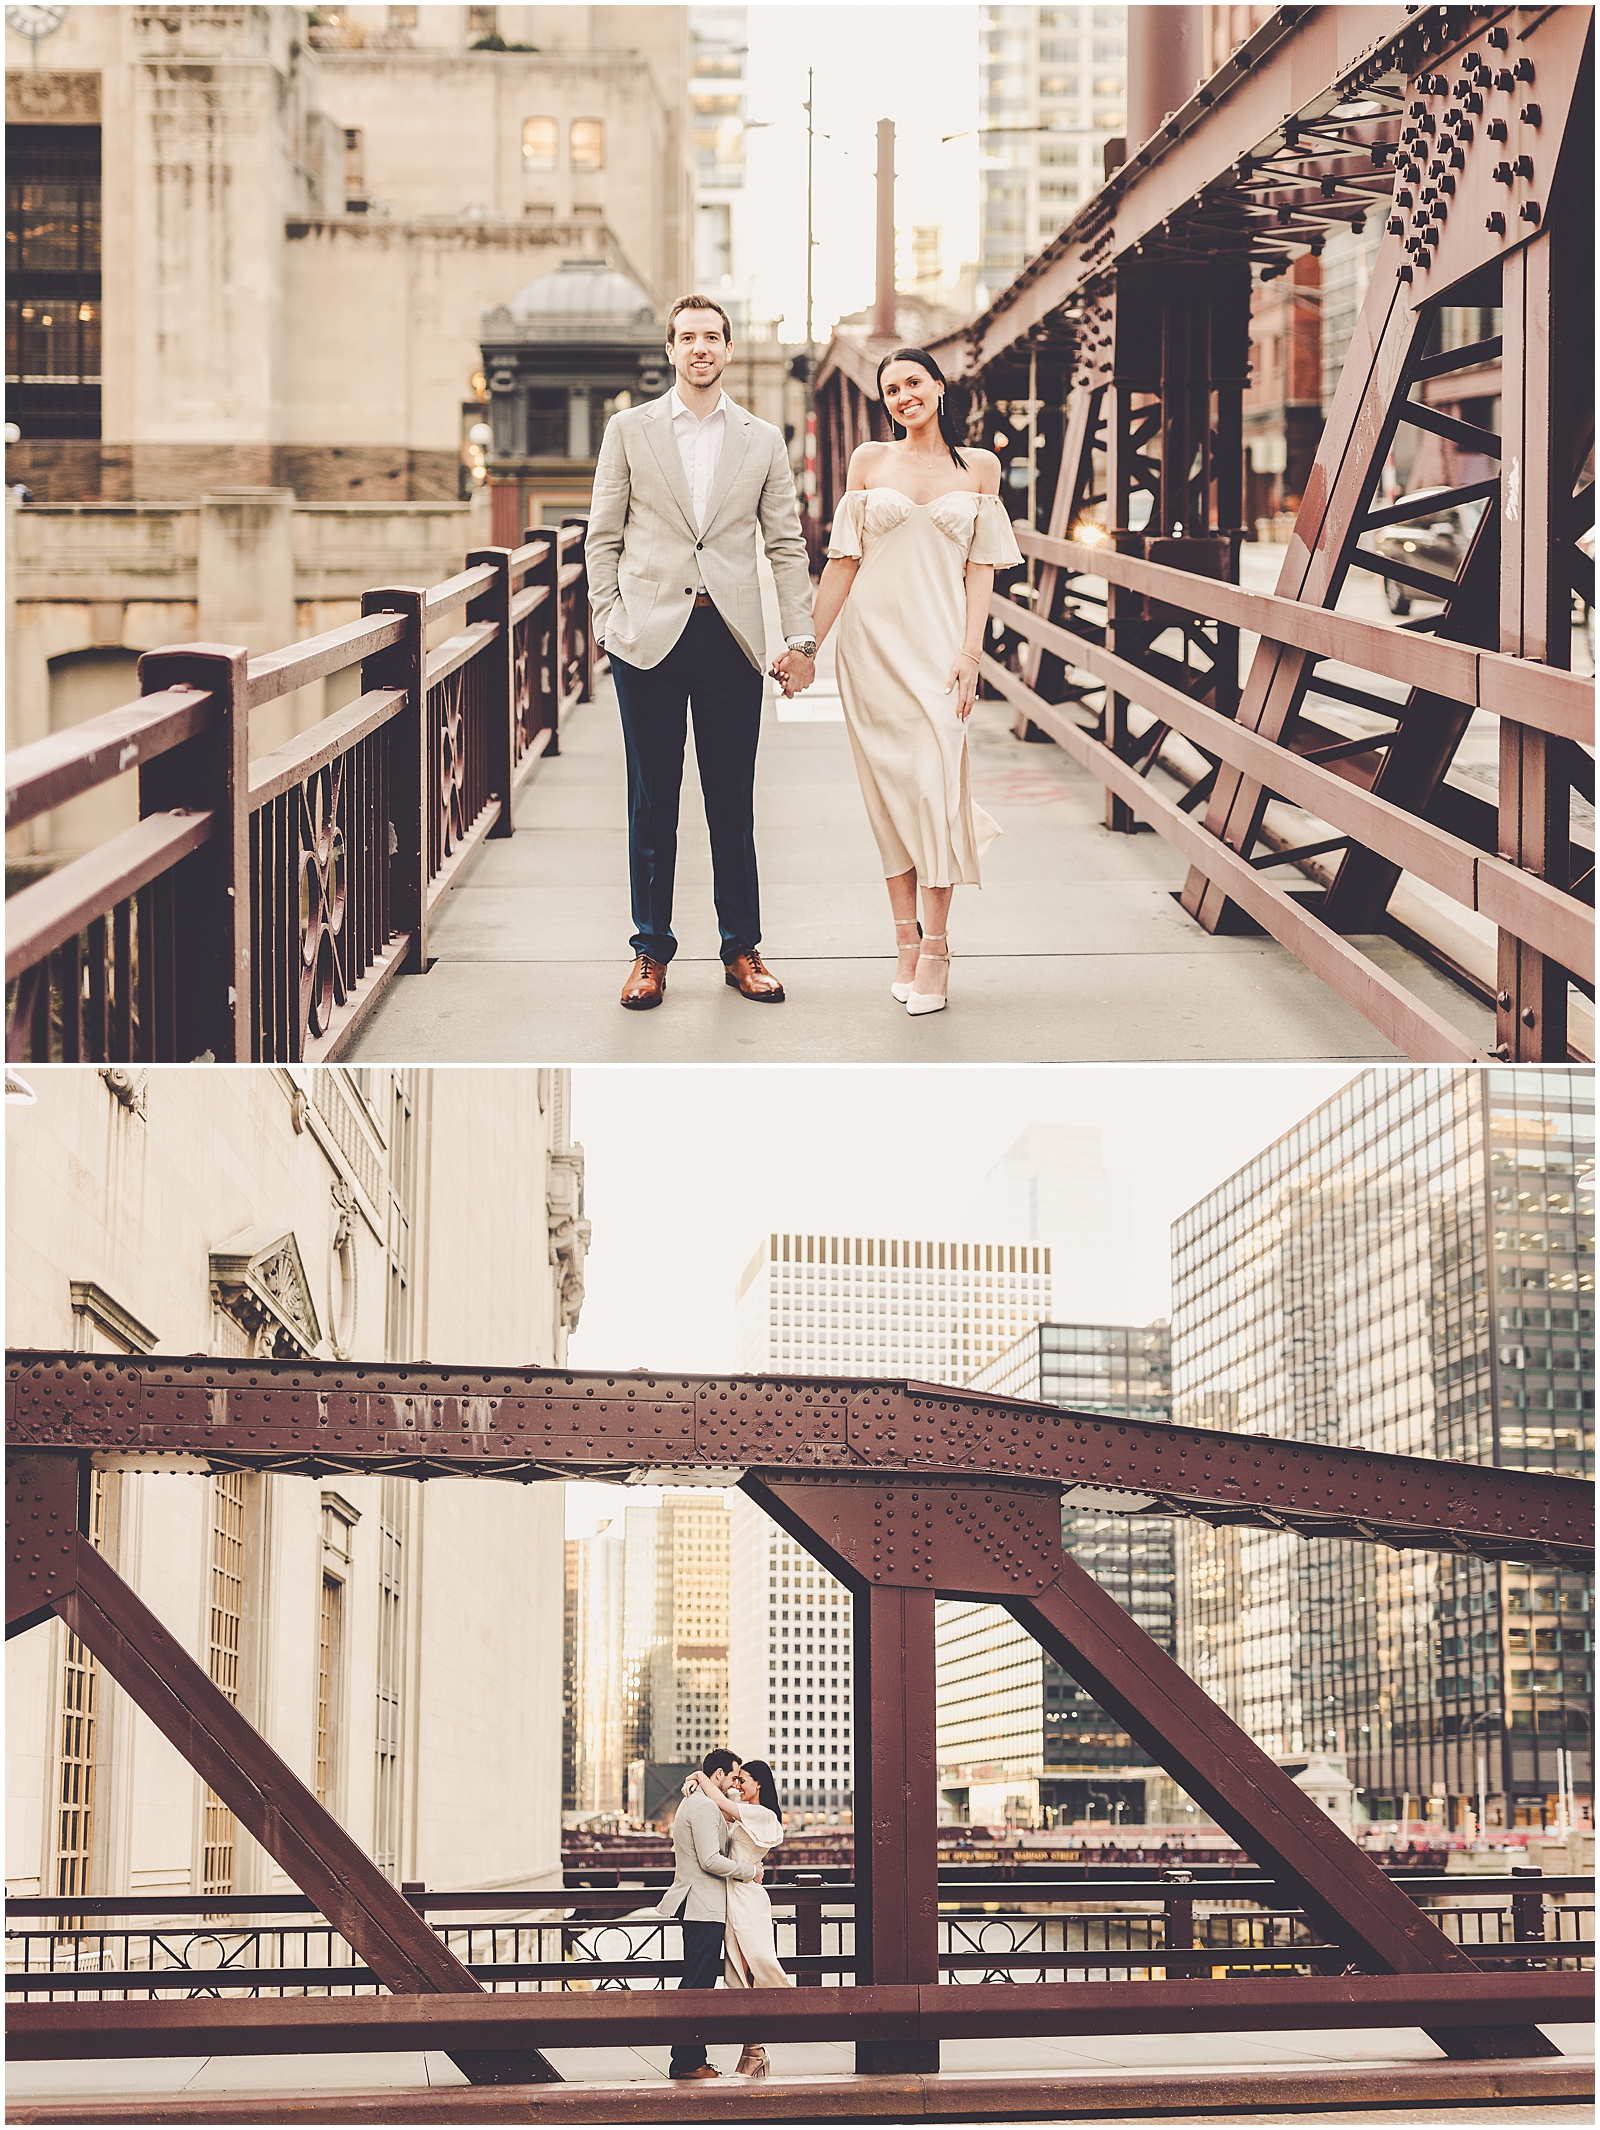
344 1286
569 1231
259 1280
52 99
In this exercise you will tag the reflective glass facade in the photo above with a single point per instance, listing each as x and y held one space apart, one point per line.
1411 1269
1053 91
1126 1370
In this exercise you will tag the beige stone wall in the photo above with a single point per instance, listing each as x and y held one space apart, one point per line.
90 586
135 1201
255 332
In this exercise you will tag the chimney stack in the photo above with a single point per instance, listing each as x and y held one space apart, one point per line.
1166 58
883 309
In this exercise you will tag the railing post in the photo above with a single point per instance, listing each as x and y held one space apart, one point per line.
1527 1912
545 649
1177 1933
401 666
1541 370
582 621
208 978
808 1925
499 678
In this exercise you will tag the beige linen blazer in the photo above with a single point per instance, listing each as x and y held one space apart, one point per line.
701 1865
646 556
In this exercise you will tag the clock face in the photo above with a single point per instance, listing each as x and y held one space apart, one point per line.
35 21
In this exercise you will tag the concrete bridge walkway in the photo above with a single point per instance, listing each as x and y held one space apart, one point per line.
1074 950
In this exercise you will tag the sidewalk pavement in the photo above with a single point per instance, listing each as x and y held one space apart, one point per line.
1075 949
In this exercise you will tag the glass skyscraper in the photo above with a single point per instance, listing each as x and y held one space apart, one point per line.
860 1305
1411 1269
1124 1370
1053 92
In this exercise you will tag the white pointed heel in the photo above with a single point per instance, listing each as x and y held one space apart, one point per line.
899 991
930 1001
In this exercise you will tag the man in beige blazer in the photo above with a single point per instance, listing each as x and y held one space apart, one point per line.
698 1895
683 485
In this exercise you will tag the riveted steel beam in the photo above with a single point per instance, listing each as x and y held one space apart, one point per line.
200 2026
529 1424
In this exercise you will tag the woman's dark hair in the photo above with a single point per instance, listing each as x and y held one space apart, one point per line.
947 421
766 1785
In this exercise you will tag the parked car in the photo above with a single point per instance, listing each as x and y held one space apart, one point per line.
1433 541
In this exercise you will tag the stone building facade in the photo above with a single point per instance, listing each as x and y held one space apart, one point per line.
398 1644
286 230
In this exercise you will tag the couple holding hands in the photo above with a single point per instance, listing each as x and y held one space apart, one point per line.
730 1817
683 486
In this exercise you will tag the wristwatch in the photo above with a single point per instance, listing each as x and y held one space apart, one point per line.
806 645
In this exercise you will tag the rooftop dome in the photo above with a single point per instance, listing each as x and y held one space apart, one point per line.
583 288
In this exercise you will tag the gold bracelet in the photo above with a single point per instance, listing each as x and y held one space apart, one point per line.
973 655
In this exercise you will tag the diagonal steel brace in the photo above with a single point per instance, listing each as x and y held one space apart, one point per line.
160 1676
1339 1886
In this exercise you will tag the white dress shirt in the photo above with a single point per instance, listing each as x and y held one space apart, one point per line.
700 448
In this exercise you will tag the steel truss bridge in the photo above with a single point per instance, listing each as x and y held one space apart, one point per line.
1467 135
905 1492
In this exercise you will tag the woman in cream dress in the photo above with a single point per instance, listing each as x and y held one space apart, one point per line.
915 544
750 1955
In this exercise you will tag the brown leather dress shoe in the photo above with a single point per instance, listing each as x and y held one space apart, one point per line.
646 985
749 973
706 2070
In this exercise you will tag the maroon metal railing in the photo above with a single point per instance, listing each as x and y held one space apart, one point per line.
259 907
1544 701
1140 1929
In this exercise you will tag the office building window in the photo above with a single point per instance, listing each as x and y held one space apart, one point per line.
222 1655
481 22
402 1182
79 1689
328 1657
392 1509
53 312
586 144
541 145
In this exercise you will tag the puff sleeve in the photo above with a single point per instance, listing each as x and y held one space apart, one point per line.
993 541
844 535
764 1827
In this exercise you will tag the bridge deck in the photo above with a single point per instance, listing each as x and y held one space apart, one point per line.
1075 949
1348 2078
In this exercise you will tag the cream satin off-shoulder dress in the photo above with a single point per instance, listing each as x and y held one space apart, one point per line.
750 1953
901 628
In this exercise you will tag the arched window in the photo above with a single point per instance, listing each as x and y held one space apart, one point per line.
540 144
586 144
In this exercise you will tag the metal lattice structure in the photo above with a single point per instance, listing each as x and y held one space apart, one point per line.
1468 131
905 1492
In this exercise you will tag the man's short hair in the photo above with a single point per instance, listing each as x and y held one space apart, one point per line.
719 1761
698 303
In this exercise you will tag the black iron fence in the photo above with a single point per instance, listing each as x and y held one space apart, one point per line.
1141 1930
259 906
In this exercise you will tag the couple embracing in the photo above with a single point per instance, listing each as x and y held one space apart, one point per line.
683 487
730 1817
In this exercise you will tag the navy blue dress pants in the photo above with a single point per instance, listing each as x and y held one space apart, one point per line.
702 1969
706 672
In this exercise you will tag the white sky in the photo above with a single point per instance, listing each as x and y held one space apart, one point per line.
917 65
687 1167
